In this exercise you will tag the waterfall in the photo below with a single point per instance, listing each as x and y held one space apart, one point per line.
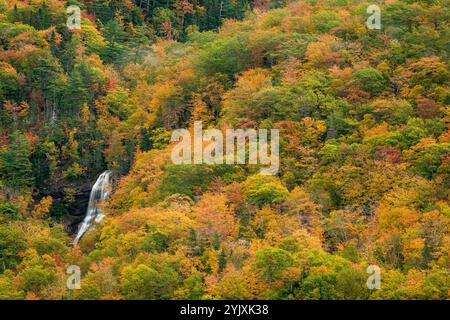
99 193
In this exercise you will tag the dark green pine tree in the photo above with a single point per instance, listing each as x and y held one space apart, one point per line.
67 53
16 17
115 36
145 139
54 48
104 11
15 166
43 19
139 39
222 261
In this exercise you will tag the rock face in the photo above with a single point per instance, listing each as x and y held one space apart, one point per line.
77 209
76 216
73 213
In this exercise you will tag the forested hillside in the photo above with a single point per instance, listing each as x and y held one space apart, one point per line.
364 122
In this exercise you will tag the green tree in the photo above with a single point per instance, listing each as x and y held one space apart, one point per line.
271 262
11 243
143 282
15 166
261 190
115 36
7 290
371 80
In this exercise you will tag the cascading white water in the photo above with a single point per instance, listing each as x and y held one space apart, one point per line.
99 193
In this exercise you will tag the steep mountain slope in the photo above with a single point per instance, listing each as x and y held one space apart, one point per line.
364 153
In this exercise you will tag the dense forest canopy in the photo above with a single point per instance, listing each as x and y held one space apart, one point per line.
364 149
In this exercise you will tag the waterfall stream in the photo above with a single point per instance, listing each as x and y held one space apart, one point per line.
99 193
